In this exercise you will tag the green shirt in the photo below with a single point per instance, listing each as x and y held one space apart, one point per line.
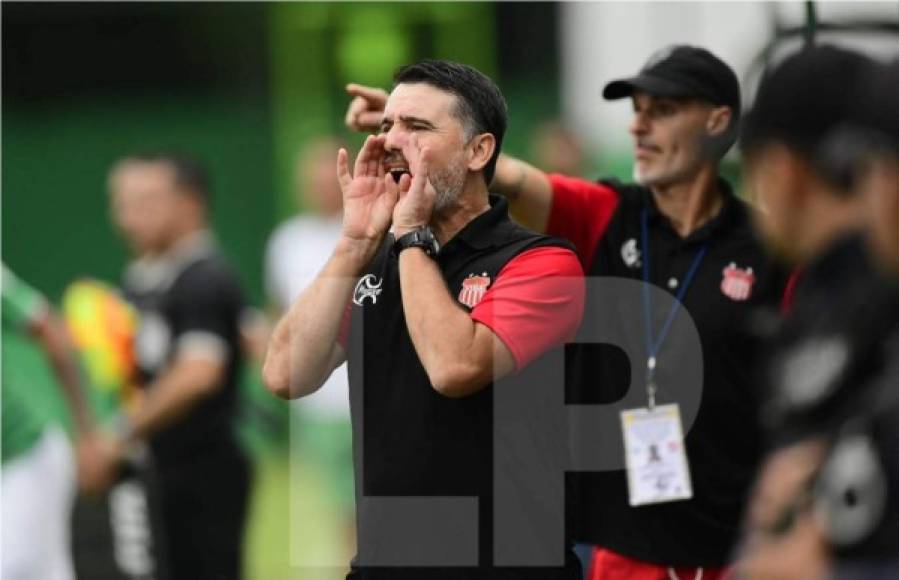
31 396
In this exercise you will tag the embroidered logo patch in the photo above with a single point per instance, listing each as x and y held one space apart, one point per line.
473 289
737 283
367 287
630 254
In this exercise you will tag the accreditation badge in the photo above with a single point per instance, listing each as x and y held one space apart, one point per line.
655 456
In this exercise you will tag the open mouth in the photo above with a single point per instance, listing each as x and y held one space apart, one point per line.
397 168
398 172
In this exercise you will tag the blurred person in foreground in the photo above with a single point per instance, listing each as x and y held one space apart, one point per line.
297 250
679 228
188 354
42 395
821 492
446 297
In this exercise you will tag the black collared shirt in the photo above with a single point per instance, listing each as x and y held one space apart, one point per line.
416 441
189 300
833 376
723 446
829 344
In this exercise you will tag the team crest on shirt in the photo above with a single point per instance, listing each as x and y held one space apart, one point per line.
473 289
737 283
630 254
368 287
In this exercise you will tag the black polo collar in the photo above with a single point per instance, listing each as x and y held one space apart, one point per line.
731 212
480 233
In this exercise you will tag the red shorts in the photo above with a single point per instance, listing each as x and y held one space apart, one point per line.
608 565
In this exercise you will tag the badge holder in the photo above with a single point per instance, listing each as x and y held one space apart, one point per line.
654 452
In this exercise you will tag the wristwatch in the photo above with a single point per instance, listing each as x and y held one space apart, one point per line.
421 238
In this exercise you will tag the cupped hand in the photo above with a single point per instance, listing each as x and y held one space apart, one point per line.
369 195
417 196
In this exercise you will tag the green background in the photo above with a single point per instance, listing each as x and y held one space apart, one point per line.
240 86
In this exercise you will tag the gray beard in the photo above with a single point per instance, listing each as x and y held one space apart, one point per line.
448 185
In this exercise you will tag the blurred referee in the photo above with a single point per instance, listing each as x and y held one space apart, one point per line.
189 356
822 487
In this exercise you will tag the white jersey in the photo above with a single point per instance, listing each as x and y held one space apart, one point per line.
297 250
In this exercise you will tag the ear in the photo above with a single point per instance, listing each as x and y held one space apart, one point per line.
191 207
718 121
480 149
774 175
790 171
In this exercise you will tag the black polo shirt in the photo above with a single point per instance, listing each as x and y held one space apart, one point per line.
862 502
830 344
416 441
833 375
733 280
190 299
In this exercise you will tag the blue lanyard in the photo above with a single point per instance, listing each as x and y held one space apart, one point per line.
653 346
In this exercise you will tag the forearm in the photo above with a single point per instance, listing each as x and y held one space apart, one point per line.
300 351
443 333
528 190
175 393
60 352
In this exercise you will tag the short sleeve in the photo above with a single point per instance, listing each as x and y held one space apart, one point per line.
536 302
581 211
209 304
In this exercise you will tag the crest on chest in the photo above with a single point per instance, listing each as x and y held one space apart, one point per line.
474 287
630 254
737 283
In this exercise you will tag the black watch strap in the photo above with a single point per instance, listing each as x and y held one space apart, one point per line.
421 238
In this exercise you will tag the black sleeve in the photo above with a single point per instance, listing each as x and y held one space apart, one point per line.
207 305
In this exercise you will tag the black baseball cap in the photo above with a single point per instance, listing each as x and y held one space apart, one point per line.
806 99
682 71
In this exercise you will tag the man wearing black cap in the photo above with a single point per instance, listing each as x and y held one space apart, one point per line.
831 351
679 228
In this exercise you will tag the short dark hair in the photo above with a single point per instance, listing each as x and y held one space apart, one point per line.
190 175
481 105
